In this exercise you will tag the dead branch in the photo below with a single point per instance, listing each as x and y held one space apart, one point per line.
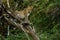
19 25
31 32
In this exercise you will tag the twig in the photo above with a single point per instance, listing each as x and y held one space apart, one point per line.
8 30
8 4
8 7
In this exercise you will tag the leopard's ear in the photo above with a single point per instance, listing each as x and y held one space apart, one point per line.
31 6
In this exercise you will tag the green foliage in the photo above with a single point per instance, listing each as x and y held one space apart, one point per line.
42 17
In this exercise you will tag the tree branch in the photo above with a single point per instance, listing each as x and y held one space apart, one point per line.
20 26
8 4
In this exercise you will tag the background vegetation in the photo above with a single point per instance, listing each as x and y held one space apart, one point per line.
45 18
